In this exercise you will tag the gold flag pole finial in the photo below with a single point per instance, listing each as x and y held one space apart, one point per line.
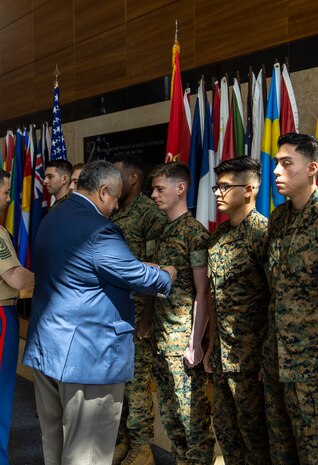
56 72
176 33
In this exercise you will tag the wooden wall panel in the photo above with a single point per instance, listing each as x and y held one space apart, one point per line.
44 77
16 93
303 18
150 39
94 18
235 28
104 45
38 3
136 8
53 27
11 10
100 63
16 42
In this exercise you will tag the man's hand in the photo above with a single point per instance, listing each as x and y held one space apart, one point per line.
193 355
143 329
172 271
155 265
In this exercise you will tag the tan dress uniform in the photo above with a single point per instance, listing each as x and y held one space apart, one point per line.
9 341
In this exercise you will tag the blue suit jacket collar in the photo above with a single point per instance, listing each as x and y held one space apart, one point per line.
83 200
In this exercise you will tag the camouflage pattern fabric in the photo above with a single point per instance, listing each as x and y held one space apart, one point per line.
58 202
301 401
137 414
240 292
290 349
141 222
182 244
282 443
240 297
185 410
183 403
239 419
293 265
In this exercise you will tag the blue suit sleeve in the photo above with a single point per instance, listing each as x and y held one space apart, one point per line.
115 263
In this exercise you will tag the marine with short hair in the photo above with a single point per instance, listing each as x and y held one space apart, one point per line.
240 297
57 179
141 222
180 321
291 346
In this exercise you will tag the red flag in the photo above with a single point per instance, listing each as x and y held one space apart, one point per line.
289 113
178 143
228 152
8 156
229 138
8 152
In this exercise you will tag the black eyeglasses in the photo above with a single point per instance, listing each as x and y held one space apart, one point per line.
224 187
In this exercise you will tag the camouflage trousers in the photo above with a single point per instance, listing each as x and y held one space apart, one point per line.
185 410
239 419
137 416
292 417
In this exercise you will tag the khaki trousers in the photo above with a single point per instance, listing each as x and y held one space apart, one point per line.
79 422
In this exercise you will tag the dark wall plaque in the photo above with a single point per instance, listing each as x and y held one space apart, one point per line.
148 143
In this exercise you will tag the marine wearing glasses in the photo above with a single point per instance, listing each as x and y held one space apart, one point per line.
224 187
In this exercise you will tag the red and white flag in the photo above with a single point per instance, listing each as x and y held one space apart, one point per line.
289 120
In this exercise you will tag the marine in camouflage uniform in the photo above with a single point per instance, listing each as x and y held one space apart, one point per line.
240 297
183 403
141 222
291 348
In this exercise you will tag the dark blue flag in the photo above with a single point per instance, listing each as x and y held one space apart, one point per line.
58 142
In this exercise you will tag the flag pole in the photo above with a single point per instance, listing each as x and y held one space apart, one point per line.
287 63
213 85
238 78
58 143
250 90
264 88
56 73
203 91
176 32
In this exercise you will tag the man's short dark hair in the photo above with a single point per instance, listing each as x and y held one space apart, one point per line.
3 174
129 161
304 144
245 166
78 166
61 165
96 174
176 171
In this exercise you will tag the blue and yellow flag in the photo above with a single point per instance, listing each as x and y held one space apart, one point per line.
26 200
268 196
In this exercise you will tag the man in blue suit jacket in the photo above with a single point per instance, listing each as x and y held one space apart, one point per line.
80 339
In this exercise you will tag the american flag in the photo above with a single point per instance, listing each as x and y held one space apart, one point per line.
58 142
